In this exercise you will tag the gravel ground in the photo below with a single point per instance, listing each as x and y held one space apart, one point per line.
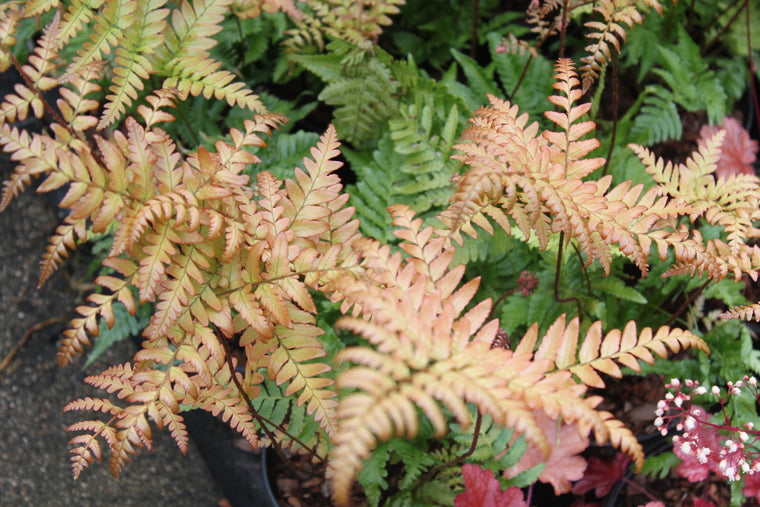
34 466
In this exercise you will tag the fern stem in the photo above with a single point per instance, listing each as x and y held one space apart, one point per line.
190 128
263 421
29 84
443 466
751 63
585 271
613 134
557 273
474 36
686 303
528 62
563 30
704 49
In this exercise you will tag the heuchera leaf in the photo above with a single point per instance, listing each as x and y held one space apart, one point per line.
751 487
482 489
564 464
738 151
602 474
699 502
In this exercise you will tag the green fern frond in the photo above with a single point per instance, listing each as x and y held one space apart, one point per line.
658 119
132 63
110 24
363 99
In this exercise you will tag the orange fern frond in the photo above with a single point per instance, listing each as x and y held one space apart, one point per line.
733 204
600 354
36 75
610 33
537 181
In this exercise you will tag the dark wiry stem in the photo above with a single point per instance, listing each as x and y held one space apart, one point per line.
53 112
751 63
563 30
614 112
474 36
528 62
557 273
686 303
443 466
263 421
703 51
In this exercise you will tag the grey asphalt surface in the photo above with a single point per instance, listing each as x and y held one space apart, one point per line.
34 457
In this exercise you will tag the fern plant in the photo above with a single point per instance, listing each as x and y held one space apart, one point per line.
241 260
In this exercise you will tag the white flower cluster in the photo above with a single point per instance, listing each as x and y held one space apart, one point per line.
721 447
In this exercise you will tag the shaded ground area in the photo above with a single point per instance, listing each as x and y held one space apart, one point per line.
34 465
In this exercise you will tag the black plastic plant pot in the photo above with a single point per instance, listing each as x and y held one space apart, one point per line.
653 444
240 473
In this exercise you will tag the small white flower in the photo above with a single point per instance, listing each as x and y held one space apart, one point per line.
743 436
700 390
752 381
661 405
736 391
675 382
658 422
689 423
679 402
702 454
715 390
686 447
669 396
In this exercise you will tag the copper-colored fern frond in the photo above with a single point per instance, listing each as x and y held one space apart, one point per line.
538 182
10 15
358 22
427 354
254 8
15 107
733 204
601 353
36 156
609 34
746 312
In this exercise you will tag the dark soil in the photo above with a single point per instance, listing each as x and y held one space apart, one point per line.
34 466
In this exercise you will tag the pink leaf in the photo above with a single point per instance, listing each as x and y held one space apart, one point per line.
602 474
751 487
564 464
737 151
482 489
699 502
